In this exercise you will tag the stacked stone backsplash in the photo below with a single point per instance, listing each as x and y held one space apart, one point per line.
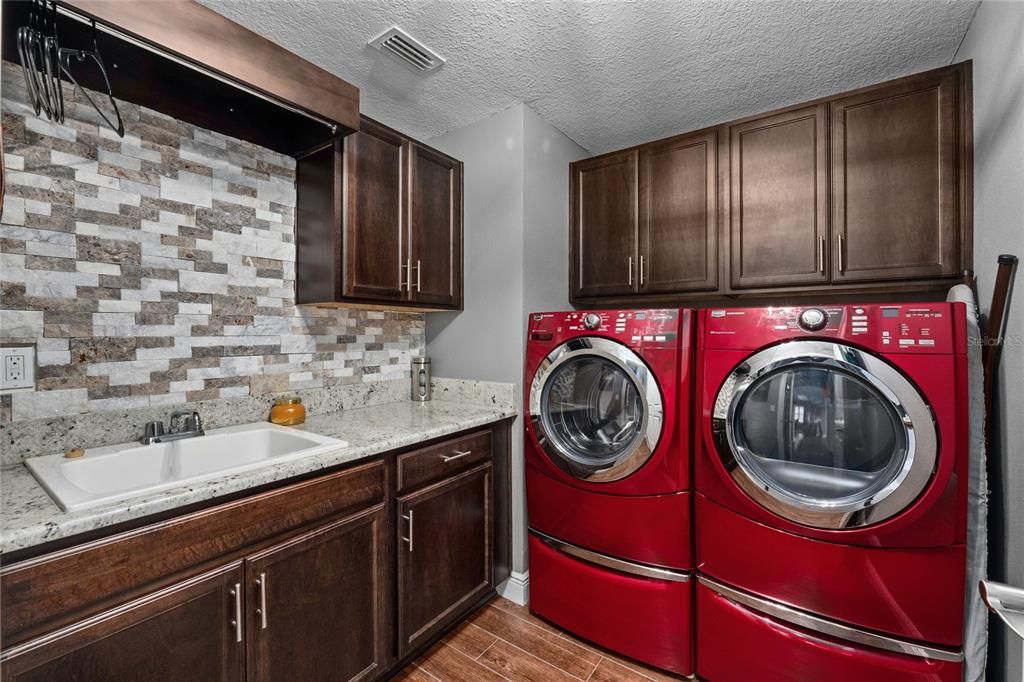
159 269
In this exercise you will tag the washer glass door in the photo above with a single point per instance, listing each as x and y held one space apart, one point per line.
825 434
595 409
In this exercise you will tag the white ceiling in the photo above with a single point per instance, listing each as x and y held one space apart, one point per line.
610 74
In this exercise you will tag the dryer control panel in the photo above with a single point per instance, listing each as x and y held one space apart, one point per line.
647 328
885 328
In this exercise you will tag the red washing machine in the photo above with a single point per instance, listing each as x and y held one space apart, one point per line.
831 493
608 478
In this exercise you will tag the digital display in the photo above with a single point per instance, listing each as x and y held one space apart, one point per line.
641 316
890 312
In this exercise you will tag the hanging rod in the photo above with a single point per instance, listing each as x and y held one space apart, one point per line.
110 30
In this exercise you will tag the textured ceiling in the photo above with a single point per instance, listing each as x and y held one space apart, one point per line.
610 74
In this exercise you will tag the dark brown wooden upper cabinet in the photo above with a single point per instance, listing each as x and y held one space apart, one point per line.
895 178
678 215
604 218
435 228
379 222
444 553
778 209
866 191
191 630
374 232
314 604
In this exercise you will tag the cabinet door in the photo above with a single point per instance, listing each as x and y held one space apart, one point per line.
188 631
373 217
894 181
678 215
778 210
604 218
444 554
315 607
435 221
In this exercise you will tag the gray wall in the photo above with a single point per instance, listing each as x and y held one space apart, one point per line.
481 341
995 42
546 154
516 247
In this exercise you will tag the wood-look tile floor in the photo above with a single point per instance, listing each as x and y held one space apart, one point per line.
504 642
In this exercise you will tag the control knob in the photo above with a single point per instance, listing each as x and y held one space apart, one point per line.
591 320
813 319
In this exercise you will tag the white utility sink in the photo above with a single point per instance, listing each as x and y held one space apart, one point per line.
119 472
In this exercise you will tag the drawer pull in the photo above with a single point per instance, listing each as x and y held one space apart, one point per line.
262 610
236 597
409 538
459 454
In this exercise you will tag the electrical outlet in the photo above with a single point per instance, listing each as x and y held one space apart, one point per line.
17 368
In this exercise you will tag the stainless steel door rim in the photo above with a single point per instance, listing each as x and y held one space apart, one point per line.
894 390
632 366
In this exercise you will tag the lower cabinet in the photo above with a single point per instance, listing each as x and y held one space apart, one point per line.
310 608
298 583
444 554
320 594
188 631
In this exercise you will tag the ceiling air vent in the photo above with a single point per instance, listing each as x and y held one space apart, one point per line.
401 45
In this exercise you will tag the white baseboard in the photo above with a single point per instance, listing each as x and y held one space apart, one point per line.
516 588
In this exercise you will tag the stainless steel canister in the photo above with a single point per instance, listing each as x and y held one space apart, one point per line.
421 379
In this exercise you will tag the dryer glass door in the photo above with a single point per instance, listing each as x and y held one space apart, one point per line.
825 434
596 409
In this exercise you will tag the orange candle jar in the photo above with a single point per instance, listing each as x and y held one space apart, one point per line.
288 412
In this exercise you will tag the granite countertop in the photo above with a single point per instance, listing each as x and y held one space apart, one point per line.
30 517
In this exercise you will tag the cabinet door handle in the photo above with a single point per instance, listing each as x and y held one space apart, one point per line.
629 271
821 256
236 623
641 270
409 538
262 610
419 273
459 454
403 275
842 260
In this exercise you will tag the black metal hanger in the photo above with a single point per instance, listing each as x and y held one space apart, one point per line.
44 62
25 43
38 46
66 55
52 64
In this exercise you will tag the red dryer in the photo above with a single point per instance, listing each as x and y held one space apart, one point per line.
608 479
831 493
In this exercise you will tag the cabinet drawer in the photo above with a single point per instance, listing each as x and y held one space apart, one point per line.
435 462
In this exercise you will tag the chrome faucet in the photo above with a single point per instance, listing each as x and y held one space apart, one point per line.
183 425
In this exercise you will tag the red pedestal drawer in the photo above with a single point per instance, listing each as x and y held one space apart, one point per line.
643 618
737 644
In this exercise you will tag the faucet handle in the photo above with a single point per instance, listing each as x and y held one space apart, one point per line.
184 421
153 431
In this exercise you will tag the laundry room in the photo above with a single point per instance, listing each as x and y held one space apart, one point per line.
511 340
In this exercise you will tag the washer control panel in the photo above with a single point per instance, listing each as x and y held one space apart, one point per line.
888 328
912 326
660 327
